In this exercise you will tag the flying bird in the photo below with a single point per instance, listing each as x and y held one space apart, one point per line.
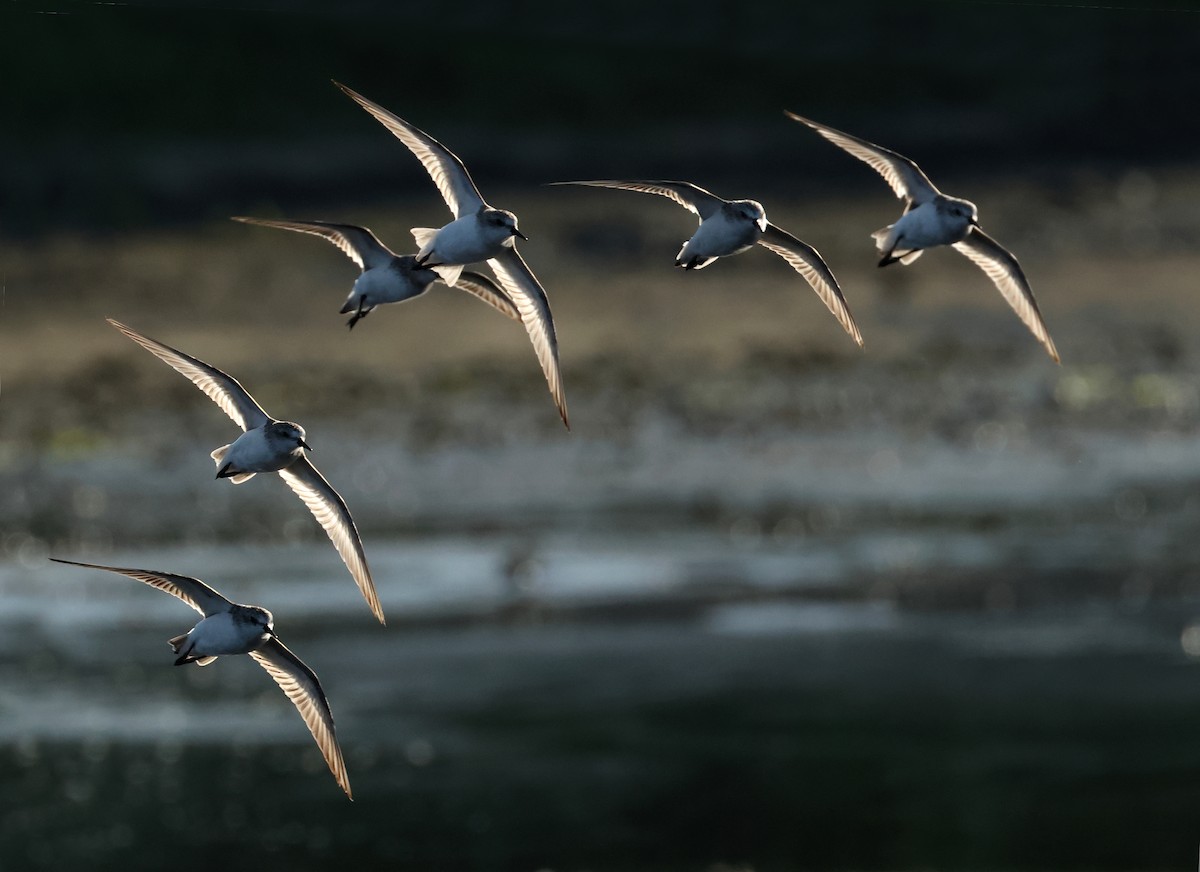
931 218
232 628
386 277
732 226
478 232
270 445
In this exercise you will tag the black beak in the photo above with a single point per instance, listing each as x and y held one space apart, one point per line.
305 445
517 232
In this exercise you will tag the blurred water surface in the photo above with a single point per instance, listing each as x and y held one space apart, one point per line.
602 703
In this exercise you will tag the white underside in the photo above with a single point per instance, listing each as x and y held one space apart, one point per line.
251 453
717 236
460 242
220 634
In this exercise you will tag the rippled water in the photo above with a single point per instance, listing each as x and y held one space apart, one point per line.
582 703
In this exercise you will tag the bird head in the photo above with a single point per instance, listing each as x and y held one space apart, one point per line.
289 434
502 224
752 212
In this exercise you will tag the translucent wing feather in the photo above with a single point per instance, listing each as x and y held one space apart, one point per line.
527 294
1002 268
691 197
357 243
443 166
190 590
224 390
332 514
304 690
904 176
483 288
807 261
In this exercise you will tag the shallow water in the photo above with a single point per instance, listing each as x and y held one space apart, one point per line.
598 706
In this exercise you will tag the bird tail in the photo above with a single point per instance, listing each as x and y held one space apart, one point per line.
448 274
886 244
424 239
223 470
179 642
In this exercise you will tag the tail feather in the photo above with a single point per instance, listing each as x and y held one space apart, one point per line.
423 235
424 239
180 642
223 469
448 274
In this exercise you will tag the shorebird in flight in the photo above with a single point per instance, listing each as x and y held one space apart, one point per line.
232 628
931 218
270 445
386 277
478 232
732 226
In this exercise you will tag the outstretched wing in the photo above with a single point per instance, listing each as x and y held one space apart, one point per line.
331 513
807 261
224 390
691 197
190 590
304 690
483 288
1002 268
443 166
902 174
527 294
357 243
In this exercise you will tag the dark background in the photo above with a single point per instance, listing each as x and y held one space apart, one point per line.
120 115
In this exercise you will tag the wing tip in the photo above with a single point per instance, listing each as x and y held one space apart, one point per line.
366 586
354 95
